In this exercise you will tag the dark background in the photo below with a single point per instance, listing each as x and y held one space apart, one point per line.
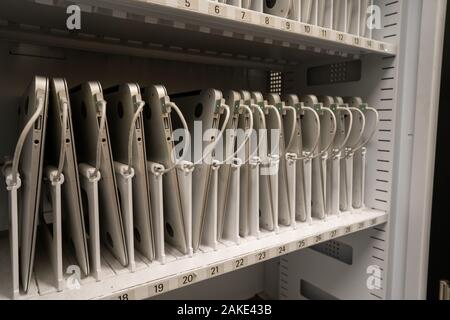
439 263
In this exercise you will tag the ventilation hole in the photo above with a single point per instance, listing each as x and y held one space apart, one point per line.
85 204
275 82
137 235
83 110
36 142
336 250
139 139
120 110
148 113
260 213
67 141
109 240
169 229
198 110
103 140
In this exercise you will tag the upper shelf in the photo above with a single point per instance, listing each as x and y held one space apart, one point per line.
196 30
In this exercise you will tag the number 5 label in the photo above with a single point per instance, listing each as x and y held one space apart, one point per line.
188 4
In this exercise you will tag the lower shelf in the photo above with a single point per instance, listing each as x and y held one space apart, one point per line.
154 278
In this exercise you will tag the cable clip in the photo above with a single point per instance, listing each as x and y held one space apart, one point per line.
186 166
157 169
291 158
215 165
255 161
236 163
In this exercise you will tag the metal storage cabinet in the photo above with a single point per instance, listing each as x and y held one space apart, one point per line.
378 253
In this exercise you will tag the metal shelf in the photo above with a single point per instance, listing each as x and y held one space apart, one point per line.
155 278
206 32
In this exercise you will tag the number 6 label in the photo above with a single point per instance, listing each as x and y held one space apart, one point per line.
217 10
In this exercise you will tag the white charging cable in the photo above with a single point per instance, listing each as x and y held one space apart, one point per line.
310 155
101 105
352 149
26 130
263 121
247 135
274 109
139 107
377 122
187 137
333 134
218 137
294 125
64 126
336 151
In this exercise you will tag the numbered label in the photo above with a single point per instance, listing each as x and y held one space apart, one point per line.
341 37
357 41
381 47
361 226
240 263
288 25
187 279
282 250
319 238
188 4
158 288
373 222
348 230
267 21
217 9
306 29
334 234
324 33
216 270
261 256
369 44
244 16
302 244
129 295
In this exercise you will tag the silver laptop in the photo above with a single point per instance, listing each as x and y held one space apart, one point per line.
72 208
161 149
233 100
122 104
200 106
30 169
266 201
86 121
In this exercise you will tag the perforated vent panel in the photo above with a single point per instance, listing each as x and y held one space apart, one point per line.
276 82
337 250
